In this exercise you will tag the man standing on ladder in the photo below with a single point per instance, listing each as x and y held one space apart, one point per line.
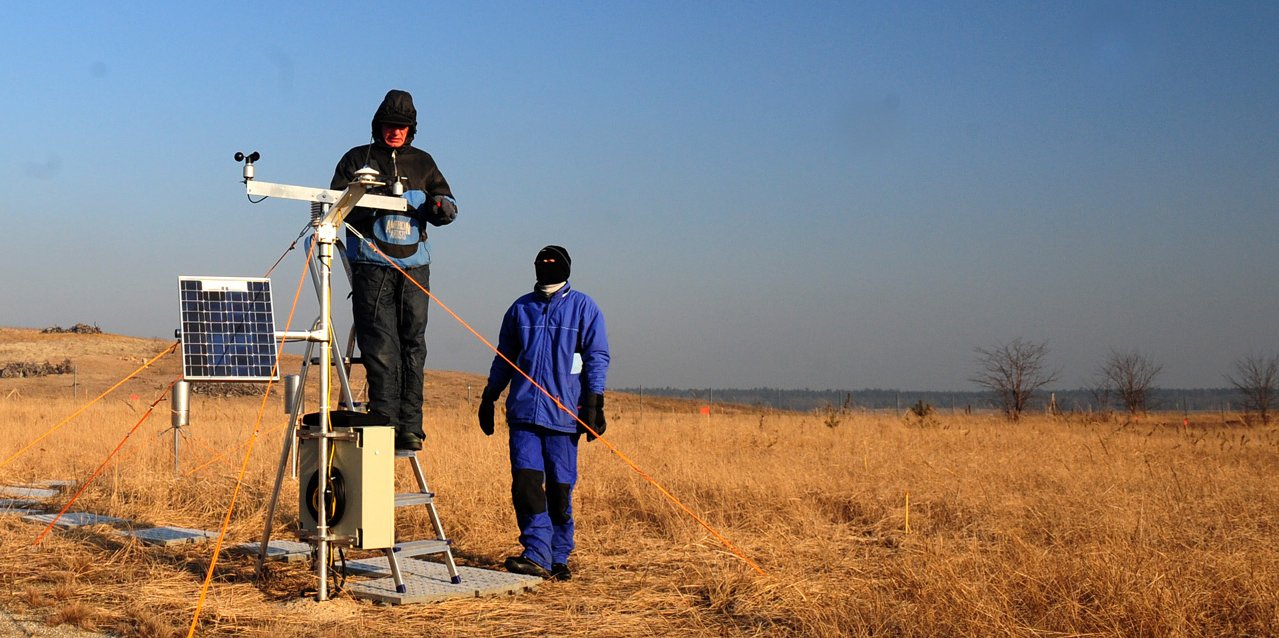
389 310
556 336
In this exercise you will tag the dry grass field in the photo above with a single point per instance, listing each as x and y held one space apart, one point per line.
877 526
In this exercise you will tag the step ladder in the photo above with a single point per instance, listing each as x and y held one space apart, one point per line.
408 549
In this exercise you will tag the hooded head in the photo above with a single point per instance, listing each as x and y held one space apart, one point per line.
396 110
552 265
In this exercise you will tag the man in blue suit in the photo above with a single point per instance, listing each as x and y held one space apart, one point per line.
555 335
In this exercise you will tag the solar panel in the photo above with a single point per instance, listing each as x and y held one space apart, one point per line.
228 329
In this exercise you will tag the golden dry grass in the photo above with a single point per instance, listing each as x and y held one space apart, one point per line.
1044 528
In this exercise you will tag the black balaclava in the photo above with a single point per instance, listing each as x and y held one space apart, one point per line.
397 110
552 265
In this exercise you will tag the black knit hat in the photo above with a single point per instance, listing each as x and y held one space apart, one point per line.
552 265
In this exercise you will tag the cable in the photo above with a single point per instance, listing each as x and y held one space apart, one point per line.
292 245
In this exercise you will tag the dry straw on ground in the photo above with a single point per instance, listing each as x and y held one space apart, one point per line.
1050 527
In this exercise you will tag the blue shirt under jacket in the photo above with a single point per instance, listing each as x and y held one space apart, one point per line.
562 344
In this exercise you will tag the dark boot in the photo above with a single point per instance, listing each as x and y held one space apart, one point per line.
560 571
521 565
408 441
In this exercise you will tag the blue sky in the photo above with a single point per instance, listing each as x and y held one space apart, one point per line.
786 194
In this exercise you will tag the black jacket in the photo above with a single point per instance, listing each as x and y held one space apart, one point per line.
413 167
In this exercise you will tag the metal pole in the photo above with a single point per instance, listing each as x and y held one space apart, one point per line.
326 234
180 415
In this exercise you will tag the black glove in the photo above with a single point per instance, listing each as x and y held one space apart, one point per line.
441 212
591 412
486 412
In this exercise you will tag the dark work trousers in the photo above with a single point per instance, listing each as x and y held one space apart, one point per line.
390 326
543 473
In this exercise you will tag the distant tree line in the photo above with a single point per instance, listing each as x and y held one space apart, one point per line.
1015 377
1068 400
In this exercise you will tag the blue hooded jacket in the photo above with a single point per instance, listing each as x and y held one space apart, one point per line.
562 344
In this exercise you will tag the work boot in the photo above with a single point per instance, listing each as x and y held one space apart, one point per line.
521 565
560 571
408 441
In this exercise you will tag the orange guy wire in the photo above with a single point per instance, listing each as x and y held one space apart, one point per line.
85 484
86 406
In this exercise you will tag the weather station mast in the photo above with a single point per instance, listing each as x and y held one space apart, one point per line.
326 227
344 459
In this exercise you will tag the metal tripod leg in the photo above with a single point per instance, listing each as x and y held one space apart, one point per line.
287 453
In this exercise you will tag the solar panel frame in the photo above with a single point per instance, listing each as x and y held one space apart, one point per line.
228 329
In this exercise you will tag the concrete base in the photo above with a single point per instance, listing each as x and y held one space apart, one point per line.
428 582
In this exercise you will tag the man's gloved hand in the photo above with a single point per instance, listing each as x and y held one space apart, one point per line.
486 413
591 412
441 211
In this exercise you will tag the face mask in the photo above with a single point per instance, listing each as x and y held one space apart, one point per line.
552 265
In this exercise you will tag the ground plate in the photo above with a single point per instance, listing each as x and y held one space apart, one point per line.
428 582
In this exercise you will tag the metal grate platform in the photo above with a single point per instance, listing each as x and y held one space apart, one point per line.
428 582
18 503
287 551
165 536
19 510
75 519
20 491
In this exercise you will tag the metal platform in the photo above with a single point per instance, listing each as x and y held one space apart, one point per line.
23 491
15 510
165 536
75 519
287 551
428 582
19 503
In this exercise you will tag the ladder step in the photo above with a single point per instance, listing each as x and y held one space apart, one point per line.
414 498
409 549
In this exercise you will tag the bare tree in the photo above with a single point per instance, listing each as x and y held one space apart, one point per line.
1131 376
1013 372
1257 379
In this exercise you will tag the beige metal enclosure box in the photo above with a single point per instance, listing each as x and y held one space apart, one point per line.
362 473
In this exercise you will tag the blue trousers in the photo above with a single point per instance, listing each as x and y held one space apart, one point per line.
543 473
390 326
